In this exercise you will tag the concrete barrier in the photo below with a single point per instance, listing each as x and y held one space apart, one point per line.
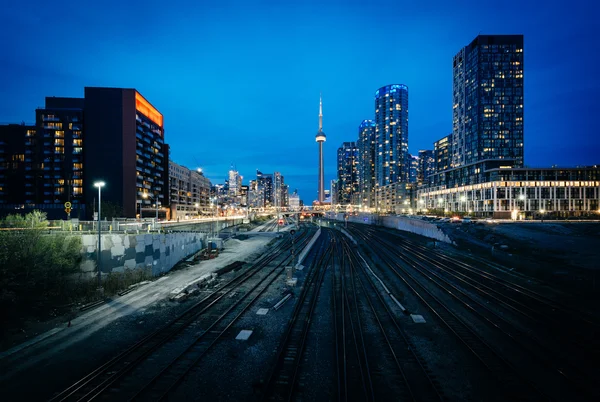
120 252
304 252
412 225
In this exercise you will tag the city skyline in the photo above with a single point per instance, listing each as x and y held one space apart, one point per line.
215 74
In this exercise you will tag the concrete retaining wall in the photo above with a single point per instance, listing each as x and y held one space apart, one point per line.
120 252
416 226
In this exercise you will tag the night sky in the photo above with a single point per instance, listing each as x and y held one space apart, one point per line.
238 82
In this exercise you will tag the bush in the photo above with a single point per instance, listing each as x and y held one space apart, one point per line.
34 266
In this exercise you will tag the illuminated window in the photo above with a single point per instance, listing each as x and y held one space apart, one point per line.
59 150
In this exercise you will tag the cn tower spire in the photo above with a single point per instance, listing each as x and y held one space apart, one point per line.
320 113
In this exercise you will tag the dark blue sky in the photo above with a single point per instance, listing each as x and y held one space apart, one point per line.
239 81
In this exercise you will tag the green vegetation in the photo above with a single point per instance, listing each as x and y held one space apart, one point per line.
35 266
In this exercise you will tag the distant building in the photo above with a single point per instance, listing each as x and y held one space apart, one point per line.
235 183
366 163
442 153
391 135
264 189
294 200
190 193
426 166
414 168
347 174
488 100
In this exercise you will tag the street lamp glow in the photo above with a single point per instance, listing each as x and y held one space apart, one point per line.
522 197
99 184
463 198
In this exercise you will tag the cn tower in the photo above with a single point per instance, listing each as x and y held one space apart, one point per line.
320 138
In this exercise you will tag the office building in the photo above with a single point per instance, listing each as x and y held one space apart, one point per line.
264 184
391 135
488 100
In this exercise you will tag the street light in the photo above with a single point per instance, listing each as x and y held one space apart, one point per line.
542 213
463 199
99 184
146 195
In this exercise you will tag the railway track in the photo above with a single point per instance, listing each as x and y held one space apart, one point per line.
511 381
282 381
414 380
103 382
564 366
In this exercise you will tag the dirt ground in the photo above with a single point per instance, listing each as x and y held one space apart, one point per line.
561 253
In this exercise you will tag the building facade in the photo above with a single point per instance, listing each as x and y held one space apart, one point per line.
13 154
121 126
442 153
347 174
190 192
366 163
391 135
493 188
488 100
426 166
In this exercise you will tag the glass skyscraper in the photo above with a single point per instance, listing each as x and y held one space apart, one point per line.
366 163
488 100
347 165
391 135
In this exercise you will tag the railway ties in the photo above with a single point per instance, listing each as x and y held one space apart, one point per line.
556 366
167 351
510 380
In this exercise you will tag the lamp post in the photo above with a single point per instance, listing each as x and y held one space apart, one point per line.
99 184
440 202
463 199
542 213
146 195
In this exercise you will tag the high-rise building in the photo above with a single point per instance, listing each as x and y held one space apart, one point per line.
13 157
366 163
442 153
121 126
278 190
413 171
347 173
235 182
488 100
264 183
294 200
391 135
426 166
320 138
112 134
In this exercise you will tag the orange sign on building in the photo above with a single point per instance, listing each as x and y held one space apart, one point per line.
145 108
